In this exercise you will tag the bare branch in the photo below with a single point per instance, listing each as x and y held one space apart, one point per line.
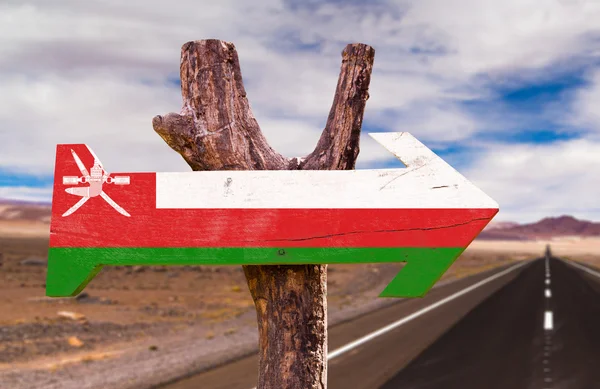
216 130
338 146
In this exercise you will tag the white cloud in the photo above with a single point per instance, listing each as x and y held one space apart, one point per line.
95 71
25 193
585 105
111 115
531 182
487 35
429 122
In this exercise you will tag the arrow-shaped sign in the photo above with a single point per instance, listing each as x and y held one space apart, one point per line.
425 215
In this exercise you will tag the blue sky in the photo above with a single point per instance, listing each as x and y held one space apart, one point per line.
506 92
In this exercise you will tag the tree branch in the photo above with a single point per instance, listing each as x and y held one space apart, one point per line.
338 146
216 130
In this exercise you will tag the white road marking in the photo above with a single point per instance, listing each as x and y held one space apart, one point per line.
352 345
344 349
548 325
548 320
585 269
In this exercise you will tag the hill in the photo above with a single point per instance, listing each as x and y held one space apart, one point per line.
549 227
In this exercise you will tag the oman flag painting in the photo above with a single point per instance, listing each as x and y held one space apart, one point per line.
425 215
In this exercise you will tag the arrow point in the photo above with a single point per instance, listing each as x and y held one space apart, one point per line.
406 148
385 138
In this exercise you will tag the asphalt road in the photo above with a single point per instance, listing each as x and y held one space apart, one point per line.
541 330
366 363
536 326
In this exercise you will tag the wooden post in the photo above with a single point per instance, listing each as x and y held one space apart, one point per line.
216 130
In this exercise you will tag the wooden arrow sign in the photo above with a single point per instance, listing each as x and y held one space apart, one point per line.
425 215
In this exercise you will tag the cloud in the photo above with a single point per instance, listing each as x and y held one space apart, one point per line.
438 123
534 181
111 115
585 105
487 36
26 193
96 72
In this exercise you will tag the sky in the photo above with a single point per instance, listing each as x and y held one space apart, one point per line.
507 92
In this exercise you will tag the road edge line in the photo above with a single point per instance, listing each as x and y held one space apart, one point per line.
360 341
344 349
580 266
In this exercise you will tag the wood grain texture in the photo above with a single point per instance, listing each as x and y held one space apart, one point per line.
120 221
216 130
284 217
427 182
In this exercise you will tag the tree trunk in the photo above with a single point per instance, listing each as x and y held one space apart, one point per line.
216 130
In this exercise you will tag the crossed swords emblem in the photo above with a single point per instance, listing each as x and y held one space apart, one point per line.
96 179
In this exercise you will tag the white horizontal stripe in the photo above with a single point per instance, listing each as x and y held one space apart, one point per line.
427 182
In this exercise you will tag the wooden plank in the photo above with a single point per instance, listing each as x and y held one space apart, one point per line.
427 182
264 217
102 226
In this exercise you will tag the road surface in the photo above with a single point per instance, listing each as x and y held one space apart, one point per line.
531 325
356 367
541 330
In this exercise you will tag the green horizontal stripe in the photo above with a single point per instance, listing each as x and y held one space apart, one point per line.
70 269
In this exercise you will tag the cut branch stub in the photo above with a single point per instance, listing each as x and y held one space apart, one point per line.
216 130
338 146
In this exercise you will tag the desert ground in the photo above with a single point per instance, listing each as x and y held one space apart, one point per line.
584 249
188 318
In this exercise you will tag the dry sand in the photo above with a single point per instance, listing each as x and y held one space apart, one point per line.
584 250
561 247
23 228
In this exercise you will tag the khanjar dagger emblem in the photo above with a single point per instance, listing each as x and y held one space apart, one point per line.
96 179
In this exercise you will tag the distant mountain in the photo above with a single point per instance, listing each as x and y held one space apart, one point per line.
560 226
500 225
4 201
546 228
12 210
500 235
